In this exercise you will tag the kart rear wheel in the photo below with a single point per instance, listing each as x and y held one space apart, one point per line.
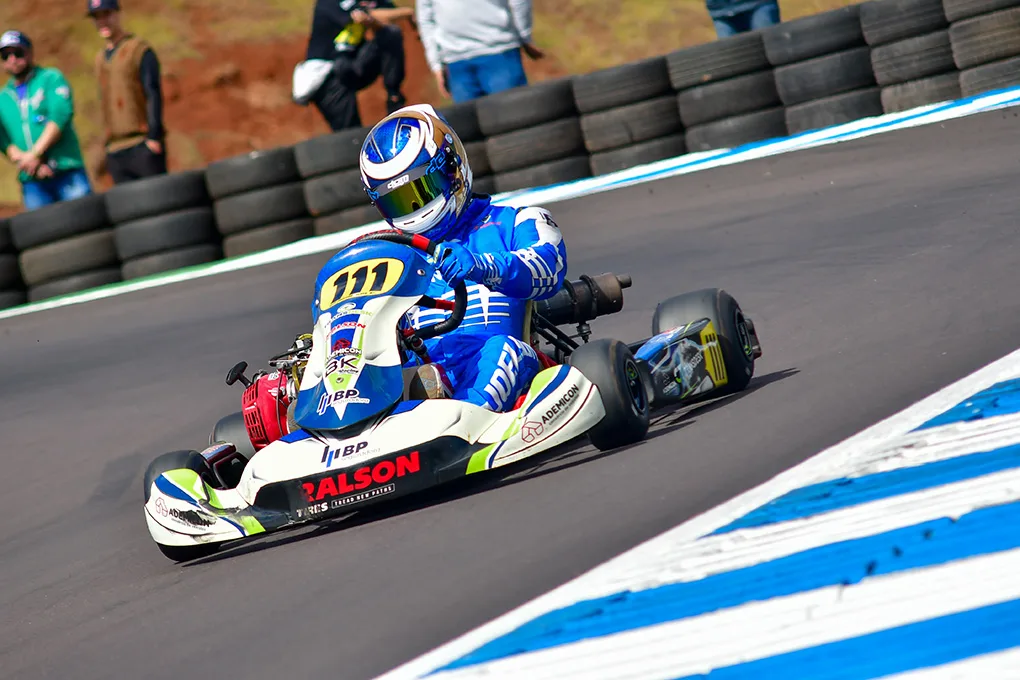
611 366
734 330
231 430
178 460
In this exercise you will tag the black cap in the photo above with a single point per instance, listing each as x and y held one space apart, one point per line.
103 6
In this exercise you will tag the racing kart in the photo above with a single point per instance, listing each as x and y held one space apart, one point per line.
340 424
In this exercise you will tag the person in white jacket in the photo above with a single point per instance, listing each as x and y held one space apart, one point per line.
474 46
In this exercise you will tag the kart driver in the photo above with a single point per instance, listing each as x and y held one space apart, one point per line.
415 169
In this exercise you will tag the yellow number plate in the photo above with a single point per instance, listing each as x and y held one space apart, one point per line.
369 277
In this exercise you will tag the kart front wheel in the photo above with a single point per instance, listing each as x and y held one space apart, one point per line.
179 460
611 366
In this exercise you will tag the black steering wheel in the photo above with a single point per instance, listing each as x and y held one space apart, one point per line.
458 307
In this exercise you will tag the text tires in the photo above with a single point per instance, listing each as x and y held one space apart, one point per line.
611 366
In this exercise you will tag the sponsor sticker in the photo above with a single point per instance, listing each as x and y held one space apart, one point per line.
191 518
350 396
349 488
553 413
530 430
345 363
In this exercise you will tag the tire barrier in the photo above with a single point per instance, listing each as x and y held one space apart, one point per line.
862 60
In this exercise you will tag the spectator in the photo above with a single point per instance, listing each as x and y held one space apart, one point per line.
741 16
351 43
474 46
130 98
36 129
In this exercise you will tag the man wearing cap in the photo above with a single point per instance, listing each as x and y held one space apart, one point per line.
130 97
36 130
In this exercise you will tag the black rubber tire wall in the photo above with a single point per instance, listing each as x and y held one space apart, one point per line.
913 58
264 238
717 60
346 219
74 283
825 76
638 154
261 207
631 124
988 77
251 171
156 195
621 85
887 21
169 260
535 145
956 10
329 153
738 130
726 98
524 107
59 221
986 38
81 253
909 95
553 172
334 192
834 110
812 36
173 230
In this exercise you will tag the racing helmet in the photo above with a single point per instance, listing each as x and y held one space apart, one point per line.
415 169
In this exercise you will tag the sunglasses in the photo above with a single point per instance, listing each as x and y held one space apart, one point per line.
16 52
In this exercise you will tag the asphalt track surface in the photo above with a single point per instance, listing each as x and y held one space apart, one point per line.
877 271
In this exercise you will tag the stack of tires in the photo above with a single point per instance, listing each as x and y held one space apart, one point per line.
726 93
332 181
464 119
985 35
533 135
910 52
629 115
823 69
163 223
65 247
12 289
258 200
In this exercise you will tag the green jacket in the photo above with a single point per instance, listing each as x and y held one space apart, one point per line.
49 98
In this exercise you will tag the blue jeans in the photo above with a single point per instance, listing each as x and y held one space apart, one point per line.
63 186
473 78
763 15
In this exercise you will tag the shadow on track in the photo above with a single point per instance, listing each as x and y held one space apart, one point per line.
563 457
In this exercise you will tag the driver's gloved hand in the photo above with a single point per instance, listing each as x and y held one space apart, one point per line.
457 263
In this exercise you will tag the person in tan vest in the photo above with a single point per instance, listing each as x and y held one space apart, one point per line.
130 98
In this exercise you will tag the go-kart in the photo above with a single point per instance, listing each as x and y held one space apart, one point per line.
353 427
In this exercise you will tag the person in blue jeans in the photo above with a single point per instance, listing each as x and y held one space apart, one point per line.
742 16
474 46
36 127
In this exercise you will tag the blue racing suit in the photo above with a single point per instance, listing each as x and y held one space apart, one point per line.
486 358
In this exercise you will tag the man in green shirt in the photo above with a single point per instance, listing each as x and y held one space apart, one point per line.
36 129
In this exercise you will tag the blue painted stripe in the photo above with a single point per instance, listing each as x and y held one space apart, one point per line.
170 489
846 492
561 375
296 436
847 562
916 646
1000 399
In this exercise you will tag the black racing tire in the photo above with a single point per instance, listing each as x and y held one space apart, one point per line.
988 77
716 60
986 38
187 227
326 154
812 36
478 158
463 118
834 110
736 131
75 283
729 323
962 9
336 191
266 238
525 106
170 260
605 162
545 174
612 368
888 21
350 218
726 98
621 85
6 244
81 253
58 221
626 125
910 95
178 460
261 207
825 76
230 429
912 58
10 273
12 298
535 145
157 195
251 171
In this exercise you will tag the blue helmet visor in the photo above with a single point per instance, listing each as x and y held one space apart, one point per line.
409 193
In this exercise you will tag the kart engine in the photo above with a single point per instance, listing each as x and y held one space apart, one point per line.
264 406
581 301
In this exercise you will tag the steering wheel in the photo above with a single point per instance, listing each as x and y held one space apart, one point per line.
460 297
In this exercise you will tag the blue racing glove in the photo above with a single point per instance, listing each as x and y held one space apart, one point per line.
457 263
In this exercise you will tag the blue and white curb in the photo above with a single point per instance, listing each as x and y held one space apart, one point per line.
894 554
692 162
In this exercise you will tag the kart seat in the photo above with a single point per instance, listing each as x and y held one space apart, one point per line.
424 382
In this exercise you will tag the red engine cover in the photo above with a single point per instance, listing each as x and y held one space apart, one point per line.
264 406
